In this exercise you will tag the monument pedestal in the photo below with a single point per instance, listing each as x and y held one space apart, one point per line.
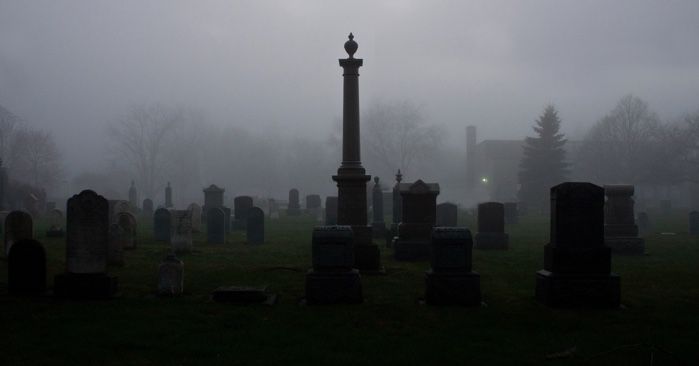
326 287
626 245
85 286
452 288
491 241
578 290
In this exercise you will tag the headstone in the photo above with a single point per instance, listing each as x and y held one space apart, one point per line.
241 206
18 226
451 280
491 226
313 201
181 231
170 276
333 280
378 225
195 211
115 249
162 221
331 210
129 227
87 241
511 213
577 263
644 224
168 196
294 208
620 230
255 226
216 226
26 268
116 207
419 206
447 214
213 197
56 222
133 196
147 208
694 223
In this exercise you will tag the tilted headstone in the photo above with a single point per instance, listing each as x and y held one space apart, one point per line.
447 215
577 263
694 223
115 249
491 226
255 226
451 281
18 226
216 226
294 208
331 210
378 225
419 205
511 213
333 280
128 224
170 276
162 220
241 206
181 231
26 268
147 208
57 223
620 230
195 211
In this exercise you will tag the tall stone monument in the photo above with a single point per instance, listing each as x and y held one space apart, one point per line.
620 230
378 226
351 177
168 196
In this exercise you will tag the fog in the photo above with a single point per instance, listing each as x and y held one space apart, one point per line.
270 68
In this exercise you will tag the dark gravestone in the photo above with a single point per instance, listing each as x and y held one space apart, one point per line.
333 280
451 280
147 209
255 226
168 196
181 231
620 230
419 205
447 215
170 276
491 226
162 220
378 225
644 225
87 240
129 226
294 208
694 223
216 226
577 263
115 248
241 206
26 268
331 210
18 226
56 221
213 197
313 201
511 213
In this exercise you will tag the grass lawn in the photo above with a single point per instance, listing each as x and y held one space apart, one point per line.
660 317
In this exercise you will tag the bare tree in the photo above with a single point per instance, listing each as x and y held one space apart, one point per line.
37 159
9 125
397 137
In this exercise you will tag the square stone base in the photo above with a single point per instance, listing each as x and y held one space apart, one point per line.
367 258
626 245
85 286
456 288
333 287
411 250
581 290
491 241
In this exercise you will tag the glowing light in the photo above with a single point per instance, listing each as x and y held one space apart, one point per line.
484 180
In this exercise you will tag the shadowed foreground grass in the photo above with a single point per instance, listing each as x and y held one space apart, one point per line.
660 318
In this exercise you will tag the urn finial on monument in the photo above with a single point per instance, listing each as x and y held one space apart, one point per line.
351 46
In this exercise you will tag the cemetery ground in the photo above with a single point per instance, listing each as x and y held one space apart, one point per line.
660 316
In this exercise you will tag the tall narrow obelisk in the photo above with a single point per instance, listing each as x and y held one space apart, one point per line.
351 177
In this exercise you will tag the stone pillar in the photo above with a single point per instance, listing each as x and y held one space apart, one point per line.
620 230
378 226
351 177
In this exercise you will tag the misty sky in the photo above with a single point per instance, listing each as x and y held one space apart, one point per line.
72 66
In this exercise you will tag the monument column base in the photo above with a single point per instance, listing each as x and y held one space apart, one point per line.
578 290
452 288
491 241
329 287
626 245
85 286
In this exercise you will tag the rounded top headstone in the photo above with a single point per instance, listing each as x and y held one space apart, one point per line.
351 46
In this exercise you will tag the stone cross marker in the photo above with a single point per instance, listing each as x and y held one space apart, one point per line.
491 226
18 226
255 226
216 226
162 220
181 231
447 215
26 268
620 230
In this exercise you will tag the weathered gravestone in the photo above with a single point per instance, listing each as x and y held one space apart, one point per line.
294 207
129 226
168 196
491 226
644 225
241 206
162 221
451 280
419 206
694 223
216 226
511 213
447 215
170 276
181 231
26 268
577 263
196 213
56 222
116 207
314 206
331 210
333 280
255 226
115 247
87 240
133 196
620 230
147 208
18 226
213 197
378 225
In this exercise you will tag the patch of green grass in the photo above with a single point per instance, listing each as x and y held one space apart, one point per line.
660 293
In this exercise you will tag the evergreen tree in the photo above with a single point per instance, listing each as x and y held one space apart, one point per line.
543 164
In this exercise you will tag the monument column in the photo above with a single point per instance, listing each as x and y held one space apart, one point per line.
351 177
